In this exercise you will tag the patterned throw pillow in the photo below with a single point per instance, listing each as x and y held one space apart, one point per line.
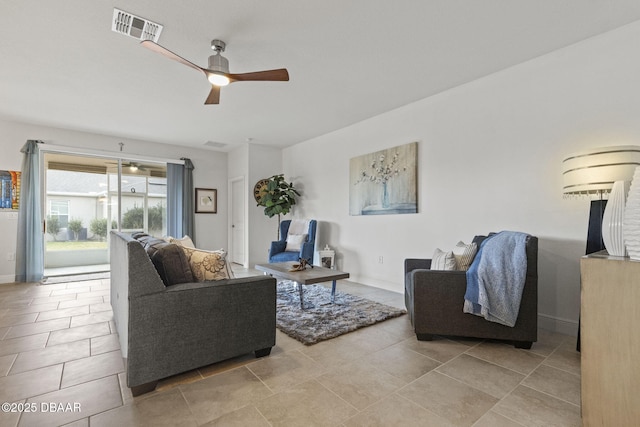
208 265
464 255
443 260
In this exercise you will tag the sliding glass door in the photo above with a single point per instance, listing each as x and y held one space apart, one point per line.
87 197
143 199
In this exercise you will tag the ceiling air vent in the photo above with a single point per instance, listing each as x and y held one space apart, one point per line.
134 26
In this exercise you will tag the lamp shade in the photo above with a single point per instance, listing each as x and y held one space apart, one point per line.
595 170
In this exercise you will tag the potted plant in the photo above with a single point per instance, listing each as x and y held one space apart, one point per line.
277 197
98 227
75 225
53 226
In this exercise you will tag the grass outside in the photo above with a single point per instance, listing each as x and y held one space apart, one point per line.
75 246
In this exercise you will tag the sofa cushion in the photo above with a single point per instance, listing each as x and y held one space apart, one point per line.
464 255
145 239
443 260
285 256
207 265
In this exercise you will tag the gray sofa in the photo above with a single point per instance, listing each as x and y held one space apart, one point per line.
434 301
166 330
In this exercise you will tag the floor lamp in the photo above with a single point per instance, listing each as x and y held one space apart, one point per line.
592 173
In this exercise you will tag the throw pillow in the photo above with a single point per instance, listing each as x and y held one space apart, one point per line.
295 241
185 241
443 260
138 235
171 264
152 244
464 255
208 265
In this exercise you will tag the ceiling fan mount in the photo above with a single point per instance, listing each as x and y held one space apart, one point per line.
217 62
218 72
218 45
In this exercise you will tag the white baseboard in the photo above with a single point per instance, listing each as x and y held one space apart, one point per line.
557 324
7 279
545 321
376 283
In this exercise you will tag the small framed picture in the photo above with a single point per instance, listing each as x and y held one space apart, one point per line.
206 200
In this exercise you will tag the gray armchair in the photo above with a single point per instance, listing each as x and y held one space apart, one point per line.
434 301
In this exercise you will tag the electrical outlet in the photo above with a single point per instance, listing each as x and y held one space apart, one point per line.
380 260
11 256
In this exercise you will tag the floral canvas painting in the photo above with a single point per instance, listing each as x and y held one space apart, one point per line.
384 182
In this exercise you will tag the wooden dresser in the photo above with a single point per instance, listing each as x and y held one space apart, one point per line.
610 340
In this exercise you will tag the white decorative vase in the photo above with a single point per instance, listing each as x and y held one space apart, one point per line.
613 218
632 218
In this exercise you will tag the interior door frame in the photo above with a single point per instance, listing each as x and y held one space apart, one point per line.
245 216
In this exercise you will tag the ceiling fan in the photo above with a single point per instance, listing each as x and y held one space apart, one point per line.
133 166
218 72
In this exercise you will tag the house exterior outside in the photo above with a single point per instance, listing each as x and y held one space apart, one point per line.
88 197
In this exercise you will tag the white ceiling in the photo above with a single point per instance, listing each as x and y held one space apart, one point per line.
62 66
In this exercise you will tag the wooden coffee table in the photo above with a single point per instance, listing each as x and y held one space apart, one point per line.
280 270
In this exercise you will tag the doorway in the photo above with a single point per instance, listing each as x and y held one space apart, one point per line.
238 221
85 197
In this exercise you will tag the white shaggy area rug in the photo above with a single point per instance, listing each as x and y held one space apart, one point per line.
320 319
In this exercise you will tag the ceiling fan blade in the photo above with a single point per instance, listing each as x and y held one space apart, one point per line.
214 96
166 52
279 75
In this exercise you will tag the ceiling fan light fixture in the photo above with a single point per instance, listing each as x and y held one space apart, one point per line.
218 79
218 72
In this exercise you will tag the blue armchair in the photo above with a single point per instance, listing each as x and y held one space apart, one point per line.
278 252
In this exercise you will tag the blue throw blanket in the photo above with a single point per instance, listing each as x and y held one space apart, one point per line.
496 278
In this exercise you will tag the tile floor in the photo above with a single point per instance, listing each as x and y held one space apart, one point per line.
59 348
